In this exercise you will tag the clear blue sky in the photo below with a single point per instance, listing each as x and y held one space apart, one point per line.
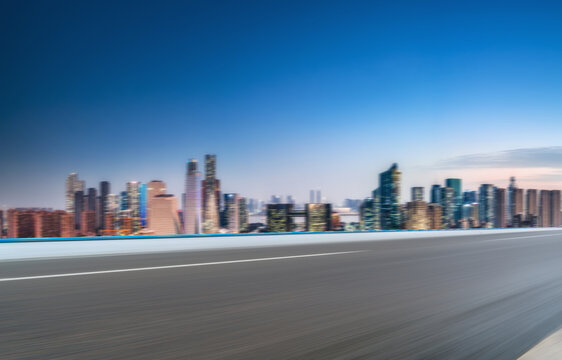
289 95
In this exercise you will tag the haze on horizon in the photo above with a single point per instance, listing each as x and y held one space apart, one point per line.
291 96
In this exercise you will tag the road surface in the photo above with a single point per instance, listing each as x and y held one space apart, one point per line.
488 296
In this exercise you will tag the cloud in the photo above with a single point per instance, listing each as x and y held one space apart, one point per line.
545 157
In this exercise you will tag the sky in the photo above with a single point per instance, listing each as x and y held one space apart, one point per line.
290 95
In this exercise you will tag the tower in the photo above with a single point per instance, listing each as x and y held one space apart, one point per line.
192 206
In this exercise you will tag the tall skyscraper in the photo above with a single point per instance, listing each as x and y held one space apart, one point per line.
279 218
417 193
192 208
73 184
104 202
143 194
390 182
232 212
456 185
153 188
243 215
500 208
434 216
211 196
318 196
544 208
555 208
133 197
92 195
164 215
416 218
510 213
367 218
436 194
469 197
448 206
486 201
78 207
312 197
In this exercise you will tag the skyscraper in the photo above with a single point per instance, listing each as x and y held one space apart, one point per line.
232 212
318 196
456 185
448 206
153 188
104 202
164 215
417 193
243 215
390 182
143 193
367 214
500 212
436 194
555 208
416 218
72 186
211 196
312 198
544 208
486 201
510 213
133 197
434 216
192 208
78 207
279 218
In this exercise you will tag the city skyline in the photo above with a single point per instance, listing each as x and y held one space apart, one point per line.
300 96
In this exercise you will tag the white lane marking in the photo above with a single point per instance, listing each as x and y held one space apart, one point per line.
176 266
548 348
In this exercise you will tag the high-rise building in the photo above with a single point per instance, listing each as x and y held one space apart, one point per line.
153 188
243 215
133 202
456 185
279 218
164 215
143 197
105 189
318 196
276 199
434 216
436 194
312 197
555 208
78 208
211 196
73 184
192 212
544 208
92 195
390 182
510 210
486 204
232 212
469 197
367 214
1 223
318 217
448 206
532 207
417 193
500 208
290 200
416 218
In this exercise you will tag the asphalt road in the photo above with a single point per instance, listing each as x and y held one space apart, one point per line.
467 297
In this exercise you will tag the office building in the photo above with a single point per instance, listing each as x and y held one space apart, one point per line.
279 218
143 198
555 208
232 213
164 215
153 188
500 208
78 208
105 190
486 205
417 193
368 214
211 196
318 217
88 223
456 185
510 210
390 182
434 216
192 211
73 184
416 218
532 207
20 224
544 208
243 215
448 206
435 194
469 197
133 202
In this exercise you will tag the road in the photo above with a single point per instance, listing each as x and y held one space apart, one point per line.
489 296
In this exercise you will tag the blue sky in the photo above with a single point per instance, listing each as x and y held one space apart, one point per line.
289 95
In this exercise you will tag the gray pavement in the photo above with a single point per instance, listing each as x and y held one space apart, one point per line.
488 296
